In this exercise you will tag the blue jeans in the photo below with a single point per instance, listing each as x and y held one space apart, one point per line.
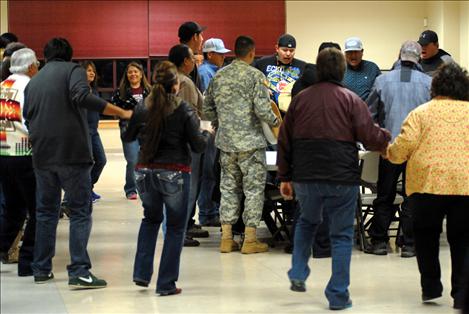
131 150
75 180
99 157
339 201
208 209
158 187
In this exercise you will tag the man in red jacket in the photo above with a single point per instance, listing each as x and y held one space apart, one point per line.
318 153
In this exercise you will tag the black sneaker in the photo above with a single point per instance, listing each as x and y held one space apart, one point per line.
197 232
43 278
430 298
347 305
188 241
407 251
378 248
141 283
167 293
297 285
87 282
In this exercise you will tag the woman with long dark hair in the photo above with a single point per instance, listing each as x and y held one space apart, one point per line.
99 156
434 140
167 129
93 121
132 91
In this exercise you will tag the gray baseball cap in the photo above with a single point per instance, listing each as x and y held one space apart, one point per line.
410 51
353 44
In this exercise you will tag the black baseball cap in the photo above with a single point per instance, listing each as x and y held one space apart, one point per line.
286 40
427 37
189 29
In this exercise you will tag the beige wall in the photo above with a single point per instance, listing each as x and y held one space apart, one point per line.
3 17
464 34
382 26
444 18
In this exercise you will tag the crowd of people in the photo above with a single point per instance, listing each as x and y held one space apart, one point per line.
193 137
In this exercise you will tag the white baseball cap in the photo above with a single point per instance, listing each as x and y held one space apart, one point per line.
214 45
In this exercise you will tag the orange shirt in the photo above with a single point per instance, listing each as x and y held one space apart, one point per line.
434 139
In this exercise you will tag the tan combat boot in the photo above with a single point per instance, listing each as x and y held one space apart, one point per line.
251 244
227 243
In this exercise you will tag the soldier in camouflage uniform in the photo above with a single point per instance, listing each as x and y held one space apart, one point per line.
238 100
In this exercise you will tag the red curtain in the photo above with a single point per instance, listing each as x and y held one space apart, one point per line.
262 20
95 29
141 28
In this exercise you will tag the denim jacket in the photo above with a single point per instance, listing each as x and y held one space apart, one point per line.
395 94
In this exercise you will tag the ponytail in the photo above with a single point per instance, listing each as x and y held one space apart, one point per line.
160 103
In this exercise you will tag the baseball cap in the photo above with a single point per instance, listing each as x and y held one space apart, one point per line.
214 45
286 40
410 51
427 37
353 44
188 29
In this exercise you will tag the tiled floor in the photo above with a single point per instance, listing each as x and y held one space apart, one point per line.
211 282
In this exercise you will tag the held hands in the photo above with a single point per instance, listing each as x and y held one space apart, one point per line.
286 190
207 126
126 114
384 152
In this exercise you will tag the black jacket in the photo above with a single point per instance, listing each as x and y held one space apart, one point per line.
308 78
431 65
55 106
180 136
93 117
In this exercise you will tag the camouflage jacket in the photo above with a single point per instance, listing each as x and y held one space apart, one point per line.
238 99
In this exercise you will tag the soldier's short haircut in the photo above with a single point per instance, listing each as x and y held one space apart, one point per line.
243 46
330 65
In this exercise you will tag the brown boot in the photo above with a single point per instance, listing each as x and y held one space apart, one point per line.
251 244
14 251
227 243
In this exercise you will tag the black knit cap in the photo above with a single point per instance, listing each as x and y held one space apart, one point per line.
286 40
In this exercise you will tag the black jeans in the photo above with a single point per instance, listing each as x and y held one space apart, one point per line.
384 209
429 210
99 157
19 188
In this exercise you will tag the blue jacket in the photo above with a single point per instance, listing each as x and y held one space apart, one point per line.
206 73
395 94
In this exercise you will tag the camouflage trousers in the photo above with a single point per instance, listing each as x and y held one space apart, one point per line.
242 172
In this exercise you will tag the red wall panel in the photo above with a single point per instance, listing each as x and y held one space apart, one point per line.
95 29
141 28
262 20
